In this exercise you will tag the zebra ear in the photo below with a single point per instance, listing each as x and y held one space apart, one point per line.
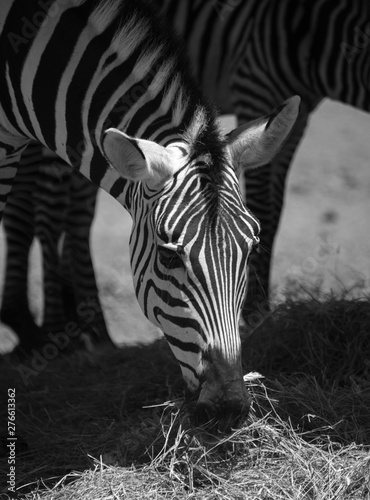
137 159
256 143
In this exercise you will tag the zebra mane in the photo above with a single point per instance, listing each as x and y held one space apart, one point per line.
141 25
130 33
205 140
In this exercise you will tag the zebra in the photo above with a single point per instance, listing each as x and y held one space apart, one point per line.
45 203
249 56
122 108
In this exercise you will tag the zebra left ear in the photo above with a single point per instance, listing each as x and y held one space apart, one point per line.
137 159
256 143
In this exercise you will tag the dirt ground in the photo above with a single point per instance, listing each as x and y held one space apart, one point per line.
323 237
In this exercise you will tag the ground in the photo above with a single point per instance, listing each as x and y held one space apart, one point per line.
323 238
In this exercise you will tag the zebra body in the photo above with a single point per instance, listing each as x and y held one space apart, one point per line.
120 107
250 55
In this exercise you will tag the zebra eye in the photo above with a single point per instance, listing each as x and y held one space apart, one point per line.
170 259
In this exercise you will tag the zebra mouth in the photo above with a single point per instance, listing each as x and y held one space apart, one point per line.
217 416
221 419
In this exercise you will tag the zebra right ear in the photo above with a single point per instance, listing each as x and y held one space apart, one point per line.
256 143
137 159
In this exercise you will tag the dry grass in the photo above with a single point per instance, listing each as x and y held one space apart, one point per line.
86 428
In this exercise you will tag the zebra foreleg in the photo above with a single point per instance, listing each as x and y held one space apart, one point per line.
51 200
19 228
77 261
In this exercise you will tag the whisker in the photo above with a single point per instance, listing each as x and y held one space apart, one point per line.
257 280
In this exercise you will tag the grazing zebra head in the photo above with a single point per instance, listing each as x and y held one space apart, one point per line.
190 242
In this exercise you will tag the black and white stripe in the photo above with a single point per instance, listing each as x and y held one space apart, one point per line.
102 85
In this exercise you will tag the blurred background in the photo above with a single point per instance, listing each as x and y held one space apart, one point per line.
323 238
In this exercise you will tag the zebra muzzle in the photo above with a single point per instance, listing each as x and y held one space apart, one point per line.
223 400
221 418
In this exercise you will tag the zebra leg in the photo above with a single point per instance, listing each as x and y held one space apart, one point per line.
264 190
77 259
19 230
51 204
